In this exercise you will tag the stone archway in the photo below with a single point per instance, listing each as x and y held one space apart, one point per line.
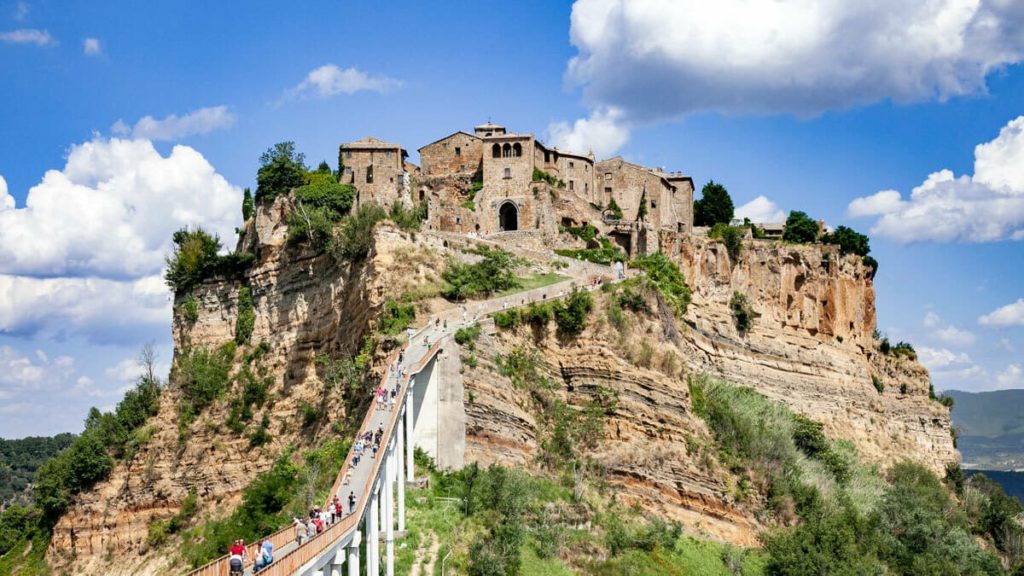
508 216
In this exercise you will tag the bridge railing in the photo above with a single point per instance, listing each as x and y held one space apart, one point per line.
222 565
316 546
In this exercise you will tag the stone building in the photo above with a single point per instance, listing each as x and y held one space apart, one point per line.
494 181
377 169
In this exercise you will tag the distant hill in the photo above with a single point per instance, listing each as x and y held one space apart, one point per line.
991 428
19 460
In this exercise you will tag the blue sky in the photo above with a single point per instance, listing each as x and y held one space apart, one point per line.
126 120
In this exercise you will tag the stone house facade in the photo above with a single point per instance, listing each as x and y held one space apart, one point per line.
489 181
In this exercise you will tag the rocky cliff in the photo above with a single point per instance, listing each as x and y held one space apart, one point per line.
810 346
306 304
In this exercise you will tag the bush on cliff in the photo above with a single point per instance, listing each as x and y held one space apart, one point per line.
319 206
667 279
494 272
281 169
195 258
354 237
800 228
714 207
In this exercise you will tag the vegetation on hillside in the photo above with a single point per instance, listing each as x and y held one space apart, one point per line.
493 272
664 277
195 258
606 254
19 460
281 169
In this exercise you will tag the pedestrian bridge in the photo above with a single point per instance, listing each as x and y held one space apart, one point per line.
379 482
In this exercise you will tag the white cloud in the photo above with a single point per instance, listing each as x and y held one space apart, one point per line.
174 127
985 207
92 47
1012 377
28 36
1006 346
947 333
942 358
111 211
21 10
1009 315
105 311
21 375
660 58
603 133
761 210
330 80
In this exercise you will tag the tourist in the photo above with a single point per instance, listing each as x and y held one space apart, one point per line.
300 532
236 565
310 528
238 548
351 502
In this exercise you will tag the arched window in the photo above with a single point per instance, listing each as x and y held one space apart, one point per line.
369 175
517 150
506 150
496 151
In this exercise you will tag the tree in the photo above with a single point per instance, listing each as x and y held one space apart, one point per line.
715 206
194 252
800 228
248 205
281 169
849 241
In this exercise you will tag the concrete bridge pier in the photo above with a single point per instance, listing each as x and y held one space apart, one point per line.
353 554
410 428
389 512
373 534
400 473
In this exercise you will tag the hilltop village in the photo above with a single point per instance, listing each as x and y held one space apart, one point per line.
495 181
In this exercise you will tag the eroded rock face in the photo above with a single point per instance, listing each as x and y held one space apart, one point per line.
811 347
306 305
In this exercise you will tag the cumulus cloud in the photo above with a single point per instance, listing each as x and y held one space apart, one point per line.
947 333
92 47
602 133
942 358
660 59
104 311
985 207
762 210
174 127
665 57
111 211
330 80
28 36
950 369
1009 315
1012 377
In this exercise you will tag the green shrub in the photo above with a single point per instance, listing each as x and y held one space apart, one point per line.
507 319
742 313
494 272
246 320
946 400
188 264
354 237
849 241
542 176
539 313
877 382
309 414
522 367
281 169
585 233
248 205
731 236
800 228
408 219
262 434
571 316
202 375
396 316
606 254
319 206
616 212
666 278
467 335
190 309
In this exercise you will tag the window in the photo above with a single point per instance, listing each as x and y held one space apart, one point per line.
586 188
387 153
508 173
458 220
348 153
654 204
608 191
517 150
462 167
369 175
607 175
496 151
458 151
401 179
572 164
572 185
506 150
547 157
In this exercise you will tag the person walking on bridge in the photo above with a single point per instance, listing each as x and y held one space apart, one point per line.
351 502
300 532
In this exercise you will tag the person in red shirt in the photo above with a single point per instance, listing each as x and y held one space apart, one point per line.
238 548
319 524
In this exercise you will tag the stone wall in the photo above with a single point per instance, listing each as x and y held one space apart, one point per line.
457 154
388 183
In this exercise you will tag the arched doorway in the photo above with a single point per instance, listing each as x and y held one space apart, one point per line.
508 217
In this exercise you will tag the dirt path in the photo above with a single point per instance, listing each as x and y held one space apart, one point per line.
424 563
